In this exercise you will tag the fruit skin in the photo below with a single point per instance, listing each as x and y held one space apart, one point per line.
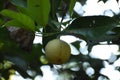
57 51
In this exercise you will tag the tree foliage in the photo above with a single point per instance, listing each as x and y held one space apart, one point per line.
22 20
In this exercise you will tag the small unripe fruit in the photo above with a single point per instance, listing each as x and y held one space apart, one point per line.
57 51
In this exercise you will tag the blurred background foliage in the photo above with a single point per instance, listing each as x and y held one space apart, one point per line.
23 20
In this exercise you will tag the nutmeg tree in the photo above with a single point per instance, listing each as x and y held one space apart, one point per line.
23 20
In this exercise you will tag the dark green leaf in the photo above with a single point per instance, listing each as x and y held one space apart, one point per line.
36 51
54 8
5 40
116 30
79 57
75 15
39 11
4 34
22 72
18 61
92 27
103 0
91 22
116 40
116 17
76 44
23 19
50 32
82 1
1 4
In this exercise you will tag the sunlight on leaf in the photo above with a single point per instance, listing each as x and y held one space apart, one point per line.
39 10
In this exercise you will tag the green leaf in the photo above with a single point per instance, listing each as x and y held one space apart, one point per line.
14 23
39 11
92 27
71 7
23 19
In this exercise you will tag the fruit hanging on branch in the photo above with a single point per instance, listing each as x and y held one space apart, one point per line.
57 51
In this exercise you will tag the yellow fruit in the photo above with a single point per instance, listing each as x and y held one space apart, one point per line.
43 60
57 51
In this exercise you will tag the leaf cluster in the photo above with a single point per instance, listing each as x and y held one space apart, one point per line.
47 18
